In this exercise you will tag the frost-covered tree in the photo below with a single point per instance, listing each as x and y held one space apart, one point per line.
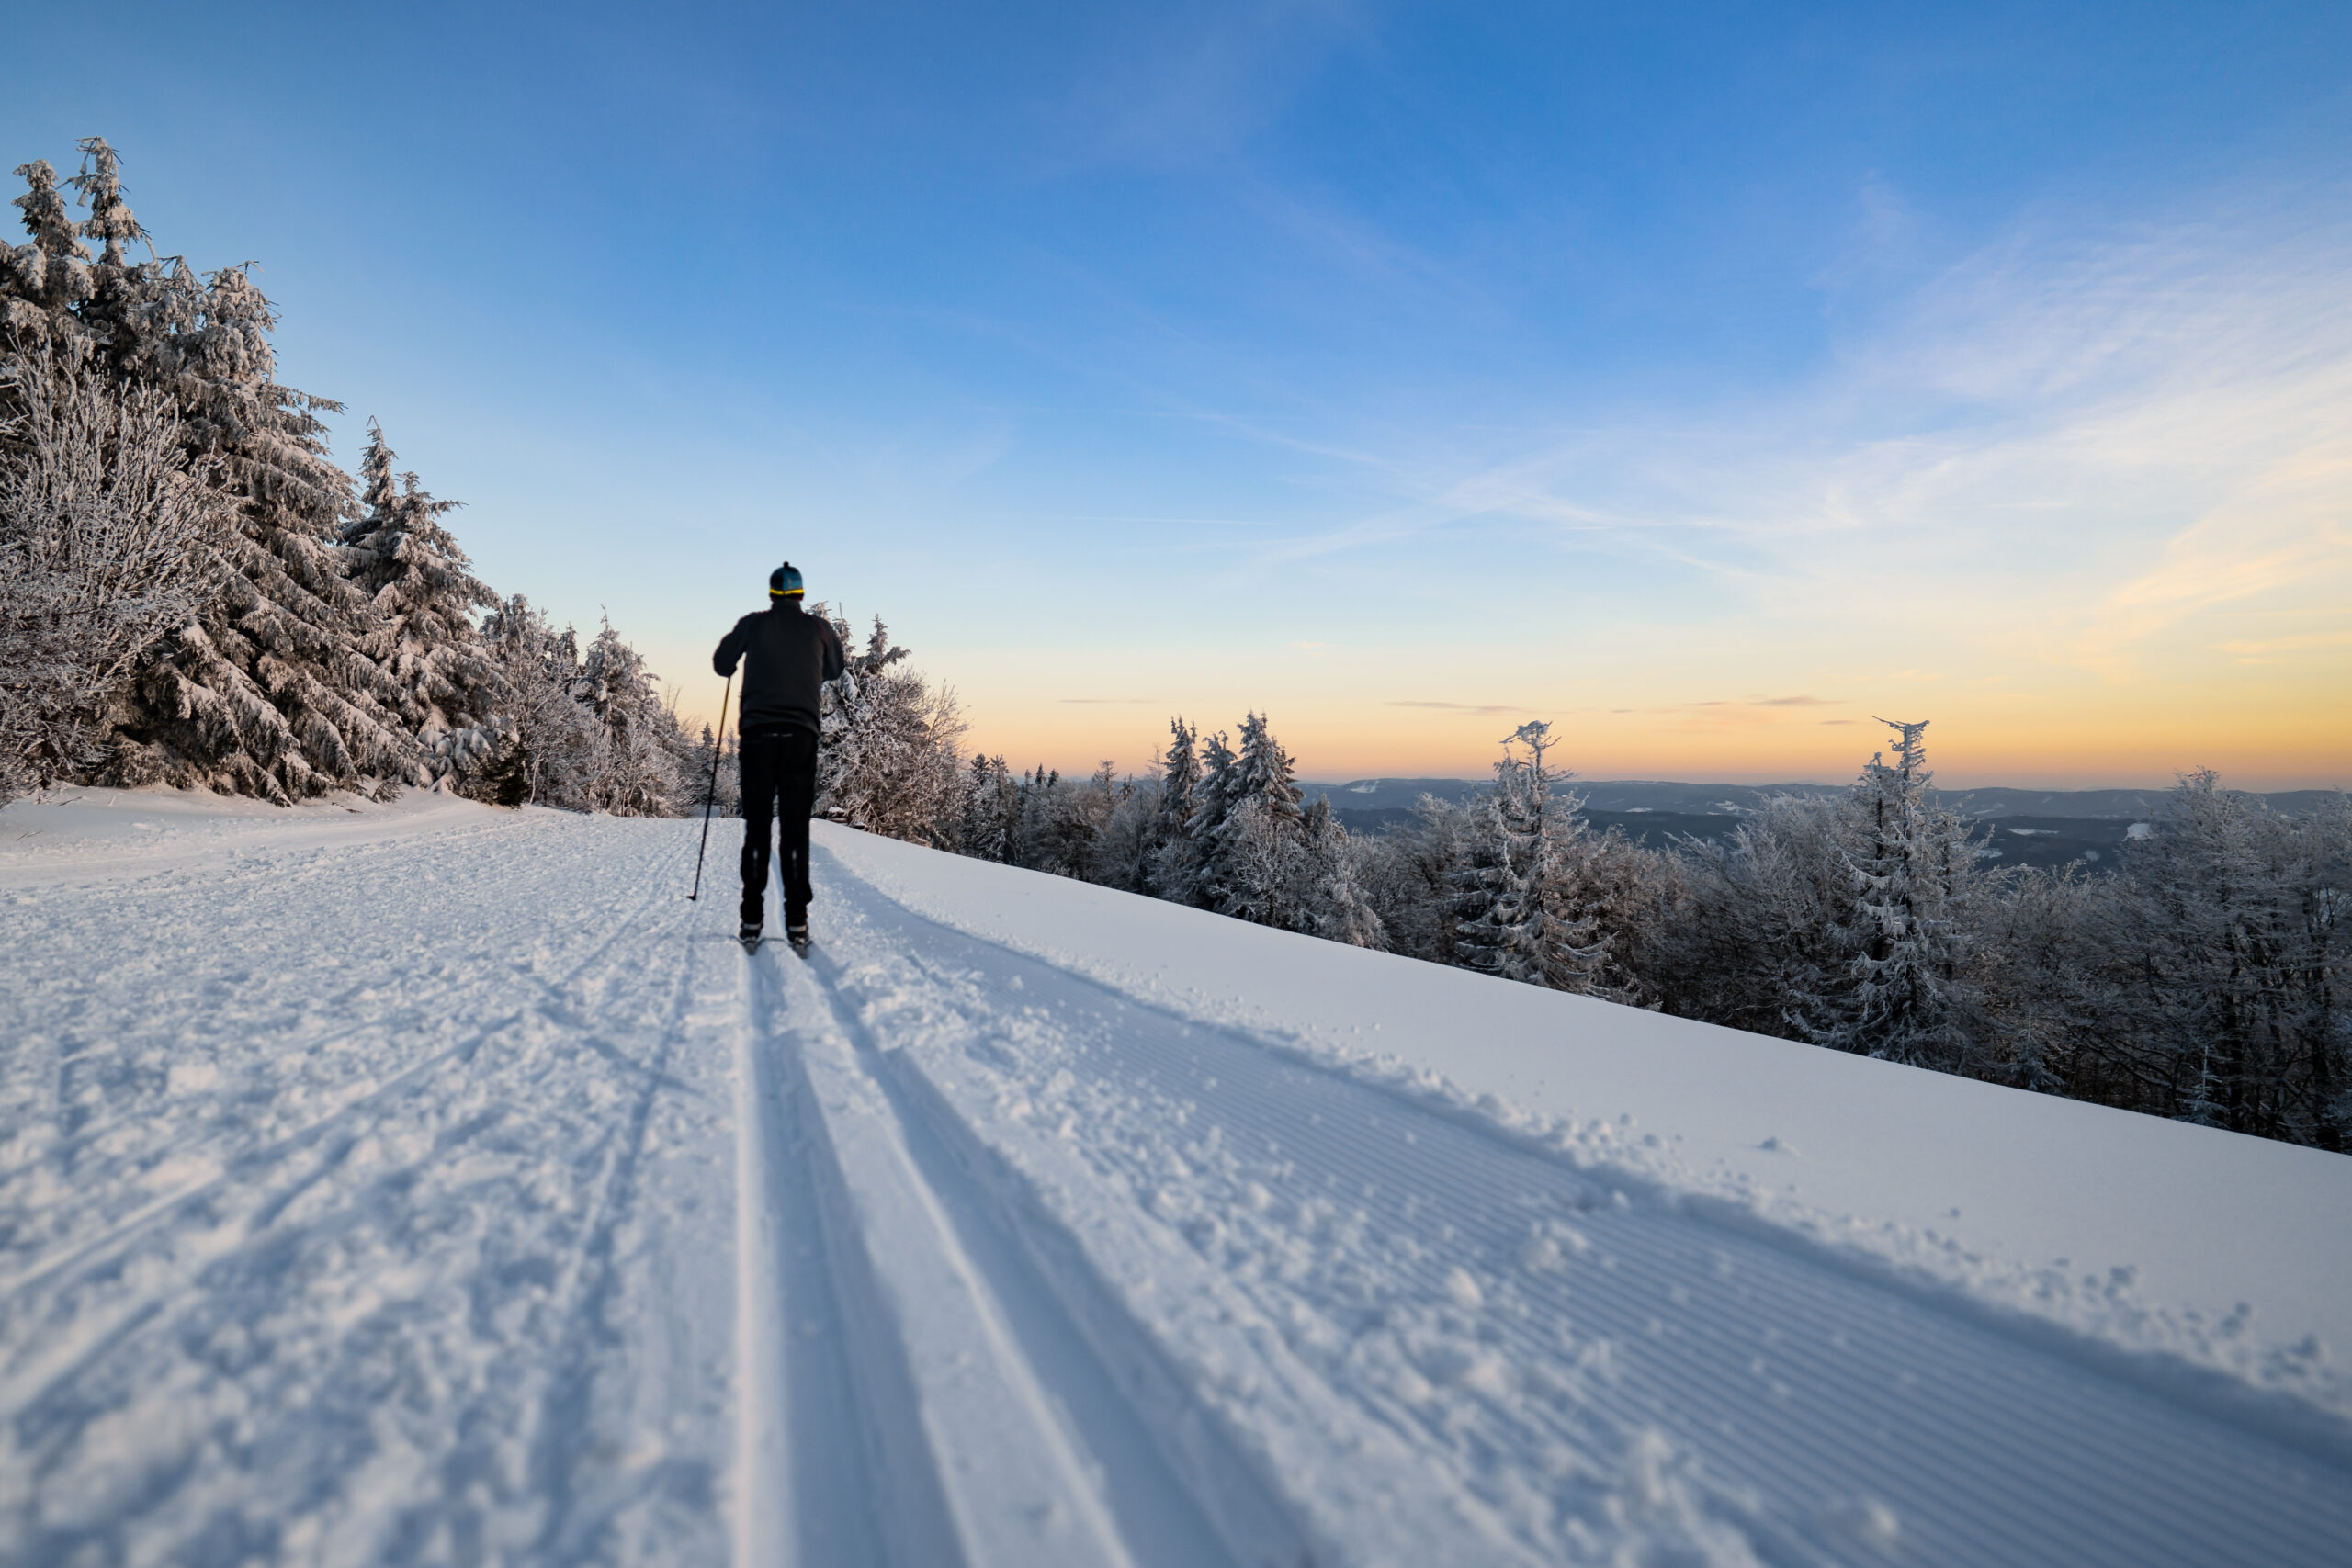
137 314
991 812
1337 907
1748 920
547 753
1252 835
272 694
1905 993
892 743
2229 961
1515 916
424 596
1187 878
1257 866
107 546
1407 872
636 770
1126 849
265 691
2043 965
1062 820
712 781
42 280
1171 860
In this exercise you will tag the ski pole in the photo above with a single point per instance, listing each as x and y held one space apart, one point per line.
710 797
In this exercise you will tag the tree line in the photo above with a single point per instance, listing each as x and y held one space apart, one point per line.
2203 980
192 592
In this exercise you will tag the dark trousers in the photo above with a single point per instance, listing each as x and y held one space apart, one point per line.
780 786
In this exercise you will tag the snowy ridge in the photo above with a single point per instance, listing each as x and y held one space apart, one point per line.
2193 1248
1491 1334
464 1193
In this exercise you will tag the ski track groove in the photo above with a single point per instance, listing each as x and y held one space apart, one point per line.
806 1443
1657 1249
957 1451
860 1143
1073 1337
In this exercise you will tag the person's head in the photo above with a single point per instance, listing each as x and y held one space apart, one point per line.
783 585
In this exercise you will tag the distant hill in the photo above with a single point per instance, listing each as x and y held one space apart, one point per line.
2026 827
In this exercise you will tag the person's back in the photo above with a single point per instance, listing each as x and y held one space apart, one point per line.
787 656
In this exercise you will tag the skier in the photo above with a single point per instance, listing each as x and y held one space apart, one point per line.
788 655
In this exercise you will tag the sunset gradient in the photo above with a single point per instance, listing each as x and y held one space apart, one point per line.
1707 380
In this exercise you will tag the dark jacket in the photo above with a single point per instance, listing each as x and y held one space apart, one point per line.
787 654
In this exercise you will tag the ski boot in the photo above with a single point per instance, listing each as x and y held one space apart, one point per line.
750 936
798 936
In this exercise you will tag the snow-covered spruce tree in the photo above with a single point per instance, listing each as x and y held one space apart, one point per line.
1061 820
1749 926
1034 836
42 281
271 694
1407 872
1185 877
547 754
637 770
889 760
713 783
1171 868
1514 918
1905 993
423 640
1624 890
1129 838
107 545
2048 987
266 692
137 314
1088 814
2230 962
1336 905
991 812
1253 838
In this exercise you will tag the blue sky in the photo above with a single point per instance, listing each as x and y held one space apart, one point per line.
1707 379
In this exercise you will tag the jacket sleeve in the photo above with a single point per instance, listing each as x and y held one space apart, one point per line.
731 651
834 663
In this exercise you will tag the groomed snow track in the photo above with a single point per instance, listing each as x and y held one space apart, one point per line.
1386 1314
608 1242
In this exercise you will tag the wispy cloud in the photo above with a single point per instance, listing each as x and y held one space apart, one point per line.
1456 707
2051 451
1799 702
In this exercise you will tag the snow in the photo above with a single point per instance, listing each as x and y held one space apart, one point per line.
430 1182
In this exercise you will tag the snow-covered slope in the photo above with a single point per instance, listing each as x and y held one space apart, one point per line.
430 1183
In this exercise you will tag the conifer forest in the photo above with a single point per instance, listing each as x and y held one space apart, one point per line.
192 592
